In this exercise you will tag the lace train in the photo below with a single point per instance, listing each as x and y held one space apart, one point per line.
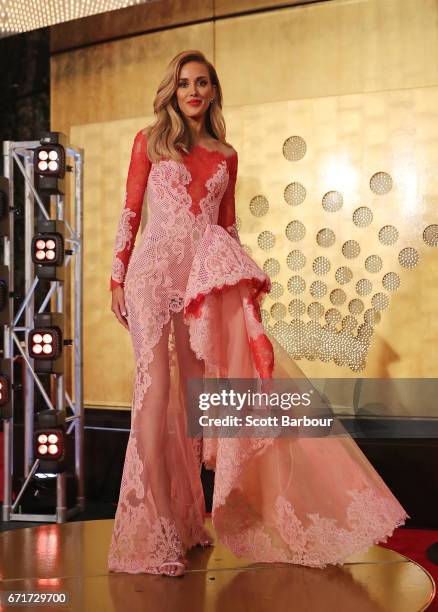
296 500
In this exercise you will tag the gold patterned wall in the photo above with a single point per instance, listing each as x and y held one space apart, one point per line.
332 109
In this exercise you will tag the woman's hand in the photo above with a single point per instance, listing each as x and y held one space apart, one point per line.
118 305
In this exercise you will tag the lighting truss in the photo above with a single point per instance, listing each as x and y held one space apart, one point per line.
21 318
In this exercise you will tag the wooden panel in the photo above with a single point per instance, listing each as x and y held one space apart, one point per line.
328 48
147 17
150 16
234 7
119 79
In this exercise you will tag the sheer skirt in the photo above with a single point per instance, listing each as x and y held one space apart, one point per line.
308 501
161 508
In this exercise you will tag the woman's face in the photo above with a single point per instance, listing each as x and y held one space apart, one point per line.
194 90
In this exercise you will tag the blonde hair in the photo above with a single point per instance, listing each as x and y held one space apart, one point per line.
170 134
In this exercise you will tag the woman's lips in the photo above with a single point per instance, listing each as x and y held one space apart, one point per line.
194 102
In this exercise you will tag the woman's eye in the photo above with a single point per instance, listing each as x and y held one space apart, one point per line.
183 84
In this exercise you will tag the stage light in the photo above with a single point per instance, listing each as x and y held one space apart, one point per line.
49 161
47 249
50 444
45 343
49 441
50 453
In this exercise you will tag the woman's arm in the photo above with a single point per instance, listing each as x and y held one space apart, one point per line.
139 168
227 210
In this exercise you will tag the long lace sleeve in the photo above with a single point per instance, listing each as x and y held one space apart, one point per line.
227 210
139 168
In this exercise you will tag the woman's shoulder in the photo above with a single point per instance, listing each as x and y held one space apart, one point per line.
143 135
231 151
144 132
226 149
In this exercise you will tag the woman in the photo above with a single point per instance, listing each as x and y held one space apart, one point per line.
190 298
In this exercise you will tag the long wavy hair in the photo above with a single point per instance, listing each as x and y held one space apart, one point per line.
170 133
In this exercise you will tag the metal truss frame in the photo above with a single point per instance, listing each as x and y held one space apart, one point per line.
21 153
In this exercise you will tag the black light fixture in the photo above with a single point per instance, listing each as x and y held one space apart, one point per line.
4 296
4 206
47 249
50 444
50 163
50 160
49 441
45 343
5 390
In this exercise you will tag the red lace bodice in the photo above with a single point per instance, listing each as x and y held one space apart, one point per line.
203 184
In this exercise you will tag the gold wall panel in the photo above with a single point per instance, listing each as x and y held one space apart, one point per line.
314 50
327 48
231 7
349 139
354 80
354 154
108 354
148 17
117 80
132 20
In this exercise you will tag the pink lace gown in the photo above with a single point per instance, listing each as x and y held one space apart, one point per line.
193 298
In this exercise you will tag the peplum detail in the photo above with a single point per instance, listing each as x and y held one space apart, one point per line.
190 283
221 262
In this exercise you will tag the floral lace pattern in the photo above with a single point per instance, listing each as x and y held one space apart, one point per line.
118 270
138 172
124 232
190 284
220 262
232 230
370 519
155 539
148 529
123 240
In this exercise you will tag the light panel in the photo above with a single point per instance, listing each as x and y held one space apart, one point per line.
23 15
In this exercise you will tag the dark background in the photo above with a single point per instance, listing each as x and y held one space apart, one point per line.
25 85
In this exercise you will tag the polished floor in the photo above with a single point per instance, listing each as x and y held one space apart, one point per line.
71 557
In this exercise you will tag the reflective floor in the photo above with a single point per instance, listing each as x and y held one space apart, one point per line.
72 558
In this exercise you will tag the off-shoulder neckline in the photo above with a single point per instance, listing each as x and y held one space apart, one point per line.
217 151
203 148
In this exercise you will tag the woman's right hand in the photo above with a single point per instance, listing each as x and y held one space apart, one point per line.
118 305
